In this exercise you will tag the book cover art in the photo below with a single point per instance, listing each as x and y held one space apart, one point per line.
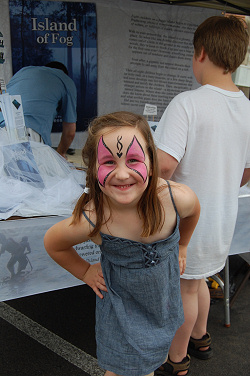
44 31
20 164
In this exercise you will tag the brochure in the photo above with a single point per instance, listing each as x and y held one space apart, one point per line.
12 112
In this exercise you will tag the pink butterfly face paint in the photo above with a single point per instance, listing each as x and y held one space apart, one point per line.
106 162
110 158
135 159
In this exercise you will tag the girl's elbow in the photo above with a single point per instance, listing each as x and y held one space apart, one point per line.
47 242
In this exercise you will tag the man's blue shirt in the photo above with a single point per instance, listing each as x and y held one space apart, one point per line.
45 93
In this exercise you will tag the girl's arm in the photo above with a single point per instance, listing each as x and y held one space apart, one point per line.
59 241
188 207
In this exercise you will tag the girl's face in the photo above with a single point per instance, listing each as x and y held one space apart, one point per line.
122 164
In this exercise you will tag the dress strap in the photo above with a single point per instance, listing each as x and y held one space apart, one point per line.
172 198
89 220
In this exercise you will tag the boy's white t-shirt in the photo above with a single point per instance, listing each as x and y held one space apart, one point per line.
208 131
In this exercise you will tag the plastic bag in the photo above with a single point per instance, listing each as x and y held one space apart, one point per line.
35 180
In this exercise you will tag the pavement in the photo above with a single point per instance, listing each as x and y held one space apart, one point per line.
53 334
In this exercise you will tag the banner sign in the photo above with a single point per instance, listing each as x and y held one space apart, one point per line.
45 31
25 267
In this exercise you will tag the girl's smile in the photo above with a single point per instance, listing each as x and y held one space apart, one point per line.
123 186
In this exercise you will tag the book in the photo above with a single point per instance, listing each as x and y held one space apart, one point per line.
20 164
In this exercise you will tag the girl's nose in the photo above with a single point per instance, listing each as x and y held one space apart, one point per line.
122 172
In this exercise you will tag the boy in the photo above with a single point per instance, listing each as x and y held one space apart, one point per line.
203 141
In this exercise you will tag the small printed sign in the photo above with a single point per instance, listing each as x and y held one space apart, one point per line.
150 110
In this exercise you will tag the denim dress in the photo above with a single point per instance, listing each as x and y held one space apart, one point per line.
139 315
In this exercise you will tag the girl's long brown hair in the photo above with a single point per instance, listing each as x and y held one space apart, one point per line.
149 207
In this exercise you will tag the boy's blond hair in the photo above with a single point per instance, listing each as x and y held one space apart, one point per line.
224 39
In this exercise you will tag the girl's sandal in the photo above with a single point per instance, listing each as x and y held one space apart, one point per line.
195 345
171 368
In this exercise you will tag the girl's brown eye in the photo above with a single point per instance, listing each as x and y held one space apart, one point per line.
133 161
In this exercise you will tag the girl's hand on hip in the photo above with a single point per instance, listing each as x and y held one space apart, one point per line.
94 278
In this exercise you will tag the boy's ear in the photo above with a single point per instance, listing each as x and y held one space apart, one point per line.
202 55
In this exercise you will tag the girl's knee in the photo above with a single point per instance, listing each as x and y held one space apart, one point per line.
109 373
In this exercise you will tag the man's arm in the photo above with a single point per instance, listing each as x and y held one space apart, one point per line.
167 164
245 177
68 134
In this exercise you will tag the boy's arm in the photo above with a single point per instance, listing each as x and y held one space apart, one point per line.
245 177
167 164
171 136
188 207
59 241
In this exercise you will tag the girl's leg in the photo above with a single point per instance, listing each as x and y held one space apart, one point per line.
189 293
109 373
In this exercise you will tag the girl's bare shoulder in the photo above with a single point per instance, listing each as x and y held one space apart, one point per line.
186 201
184 197
162 186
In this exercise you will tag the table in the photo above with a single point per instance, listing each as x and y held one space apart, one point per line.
43 274
240 245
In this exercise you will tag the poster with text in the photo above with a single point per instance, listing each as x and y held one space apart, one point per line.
145 54
44 31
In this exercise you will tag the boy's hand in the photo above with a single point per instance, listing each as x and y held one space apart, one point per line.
94 278
182 258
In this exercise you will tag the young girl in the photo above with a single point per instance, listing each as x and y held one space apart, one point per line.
135 217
